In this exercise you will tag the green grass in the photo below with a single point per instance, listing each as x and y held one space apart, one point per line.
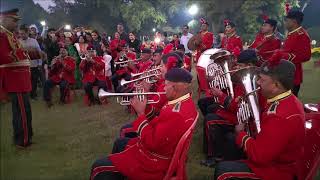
69 138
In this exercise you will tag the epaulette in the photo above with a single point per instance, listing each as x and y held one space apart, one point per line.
176 107
273 108
300 32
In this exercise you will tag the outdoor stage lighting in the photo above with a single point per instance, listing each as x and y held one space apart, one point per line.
157 40
43 23
154 29
67 27
193 10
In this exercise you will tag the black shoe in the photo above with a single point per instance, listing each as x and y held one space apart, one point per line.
210 162
49 104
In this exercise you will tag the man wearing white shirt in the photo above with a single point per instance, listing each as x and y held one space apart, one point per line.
185 39
32 47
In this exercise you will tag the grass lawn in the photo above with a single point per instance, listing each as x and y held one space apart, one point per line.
68 138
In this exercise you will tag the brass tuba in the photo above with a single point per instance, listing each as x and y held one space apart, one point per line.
249 110
217 63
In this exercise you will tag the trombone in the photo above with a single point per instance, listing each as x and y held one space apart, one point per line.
124 98
147 77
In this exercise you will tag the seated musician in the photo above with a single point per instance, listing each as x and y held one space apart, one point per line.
144 64
220 117
150 156
266 42
62 74
168 62
93 68
275 150
122 71
186 59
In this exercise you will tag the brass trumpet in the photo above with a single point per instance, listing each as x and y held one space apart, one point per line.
147 78
125 63
151 71
124 98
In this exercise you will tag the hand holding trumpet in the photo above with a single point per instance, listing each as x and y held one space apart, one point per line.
138 105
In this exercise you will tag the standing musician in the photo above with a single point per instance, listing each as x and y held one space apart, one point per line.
62 74
206 38
15 78
168 62
231 41
93 68
296 47
151 153
220 117
266 42
275 150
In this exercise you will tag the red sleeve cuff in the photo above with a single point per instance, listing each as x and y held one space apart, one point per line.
240 138
222 98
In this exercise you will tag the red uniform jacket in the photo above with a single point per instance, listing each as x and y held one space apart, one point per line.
207 42
116 46
297 49
144 65
63 69
150 156
266 45
232 44
153 109
93 70
14 64
274 153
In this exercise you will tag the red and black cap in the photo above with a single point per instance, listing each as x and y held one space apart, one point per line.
178 75
13 13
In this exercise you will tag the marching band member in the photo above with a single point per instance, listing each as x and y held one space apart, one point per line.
93 74
107 61
186 59
151 154
144 64
296 47
231 41
220 117
62 74
168 62
274 152
206 38
266 42
15 78
116 46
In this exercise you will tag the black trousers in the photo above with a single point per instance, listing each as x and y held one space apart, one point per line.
207 105
49 84
221 139
233 170
103 168
21 119
295 90
35 76
88 88
126 131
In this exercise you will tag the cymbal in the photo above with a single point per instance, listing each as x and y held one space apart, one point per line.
194 42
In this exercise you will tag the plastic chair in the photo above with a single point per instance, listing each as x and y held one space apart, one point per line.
202 81
177 167
309 164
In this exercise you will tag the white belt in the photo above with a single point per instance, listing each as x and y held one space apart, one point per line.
16 64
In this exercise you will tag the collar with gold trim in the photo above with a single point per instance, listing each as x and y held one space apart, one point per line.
269 35
293 31
280 96
7 31
179 99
